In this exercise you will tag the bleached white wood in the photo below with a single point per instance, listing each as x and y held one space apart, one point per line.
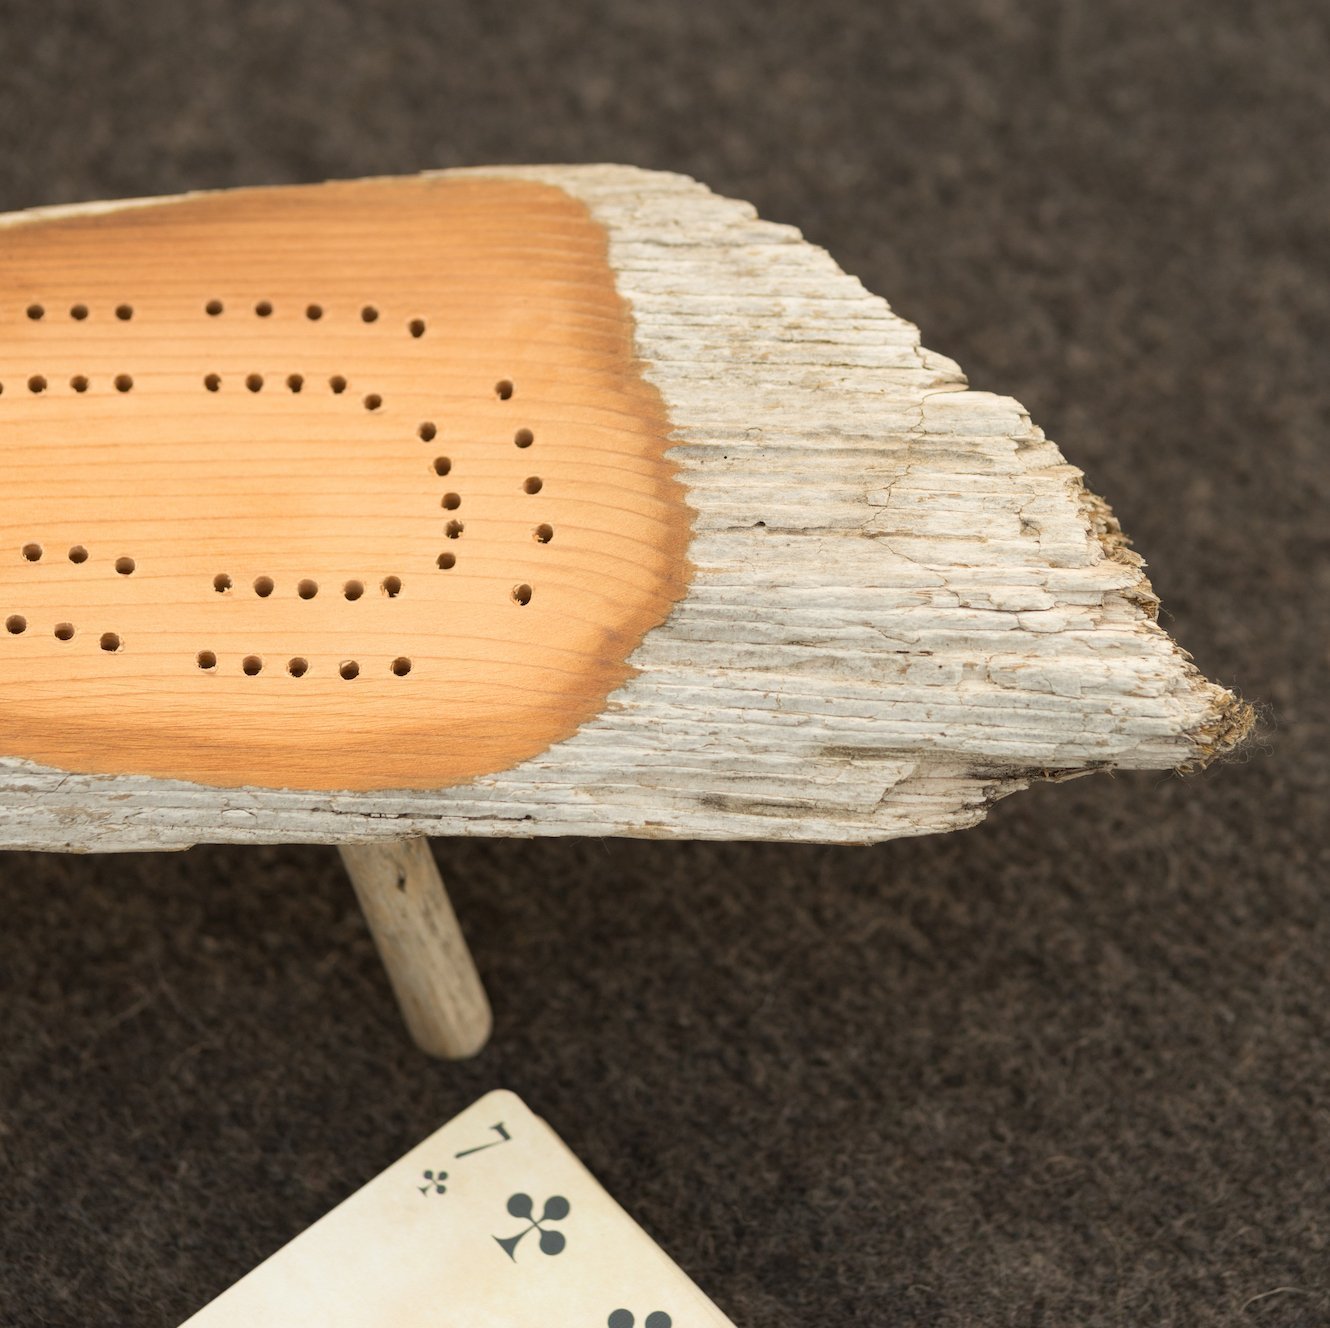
906 604
421 944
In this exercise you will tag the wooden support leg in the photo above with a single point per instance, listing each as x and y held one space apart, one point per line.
416 931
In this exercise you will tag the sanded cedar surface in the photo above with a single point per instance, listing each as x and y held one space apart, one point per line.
347 486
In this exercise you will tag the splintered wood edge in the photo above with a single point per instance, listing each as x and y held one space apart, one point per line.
905 604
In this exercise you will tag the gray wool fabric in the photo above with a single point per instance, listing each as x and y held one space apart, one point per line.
1069 1068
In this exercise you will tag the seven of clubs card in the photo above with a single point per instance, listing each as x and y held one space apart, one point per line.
490 1223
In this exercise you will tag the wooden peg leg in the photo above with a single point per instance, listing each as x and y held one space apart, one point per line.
422 946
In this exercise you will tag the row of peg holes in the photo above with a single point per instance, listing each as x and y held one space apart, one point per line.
523 438
214 308
37 383
297 666
32 553
314 312
264 586
16 624
295 382
78 312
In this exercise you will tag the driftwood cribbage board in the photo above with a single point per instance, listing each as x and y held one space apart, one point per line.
529 501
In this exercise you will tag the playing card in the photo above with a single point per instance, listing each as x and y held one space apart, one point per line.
492 1222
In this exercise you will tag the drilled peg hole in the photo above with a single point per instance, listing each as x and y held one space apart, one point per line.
353 589
254 382
36 312
427 431
446 561
297 667
349 669
263 308
110 642
522 594
123 383
64 631
32 552
78 312
206 659
401 666
213 308
16 623
503 389
524 438
543 534
36 383
452 501
533 484
337 383
125 566
454 529
307 589
442 465
263 586
213 382
78 554
252 666
373 401
295 382
221 583
416 327
369 314
124 312
313 312
79 383
391 586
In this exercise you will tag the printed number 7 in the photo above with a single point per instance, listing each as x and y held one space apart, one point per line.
503 1138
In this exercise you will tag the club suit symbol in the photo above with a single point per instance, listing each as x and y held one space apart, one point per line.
555 1210
434 1182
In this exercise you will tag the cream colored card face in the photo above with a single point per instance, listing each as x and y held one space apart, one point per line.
490 1223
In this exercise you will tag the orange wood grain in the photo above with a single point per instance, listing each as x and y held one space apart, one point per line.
425 388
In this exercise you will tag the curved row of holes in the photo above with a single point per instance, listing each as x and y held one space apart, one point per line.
298 666
427 431
16 624
33 553
307 588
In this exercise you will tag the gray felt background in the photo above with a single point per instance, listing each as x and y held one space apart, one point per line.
1070 1068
